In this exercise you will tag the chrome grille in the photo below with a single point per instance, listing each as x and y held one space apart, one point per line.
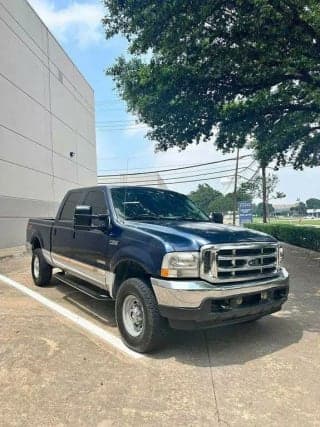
235 263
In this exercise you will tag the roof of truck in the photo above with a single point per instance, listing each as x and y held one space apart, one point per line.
94 187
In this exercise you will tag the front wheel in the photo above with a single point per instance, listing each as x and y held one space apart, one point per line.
40 269
142 327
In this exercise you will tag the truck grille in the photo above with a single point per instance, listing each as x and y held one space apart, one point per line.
236 263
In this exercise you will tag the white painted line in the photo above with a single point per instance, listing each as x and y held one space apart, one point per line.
75 318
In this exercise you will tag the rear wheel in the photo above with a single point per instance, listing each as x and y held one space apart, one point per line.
40 269
142 327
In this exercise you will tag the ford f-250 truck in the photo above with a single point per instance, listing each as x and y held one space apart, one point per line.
162 260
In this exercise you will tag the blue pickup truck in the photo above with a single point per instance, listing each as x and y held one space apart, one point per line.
163 261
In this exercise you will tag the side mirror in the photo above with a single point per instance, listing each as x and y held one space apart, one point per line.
103 222
216 217
83 216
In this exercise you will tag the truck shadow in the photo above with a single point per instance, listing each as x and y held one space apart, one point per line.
239 344
228 345
99 310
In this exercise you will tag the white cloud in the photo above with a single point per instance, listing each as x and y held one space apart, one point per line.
80 22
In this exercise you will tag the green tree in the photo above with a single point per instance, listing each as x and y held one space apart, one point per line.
259 209
203 196
264 188
246 192
313 203
222 204
242 70
210 200
300 209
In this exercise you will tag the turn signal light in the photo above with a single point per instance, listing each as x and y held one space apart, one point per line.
164 272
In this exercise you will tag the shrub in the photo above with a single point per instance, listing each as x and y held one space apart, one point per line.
306 237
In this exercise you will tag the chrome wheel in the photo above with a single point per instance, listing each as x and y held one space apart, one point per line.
36 267
133 315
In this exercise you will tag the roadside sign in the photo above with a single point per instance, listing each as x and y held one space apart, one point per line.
245 212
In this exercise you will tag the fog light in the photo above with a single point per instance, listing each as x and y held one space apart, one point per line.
238 300
264 295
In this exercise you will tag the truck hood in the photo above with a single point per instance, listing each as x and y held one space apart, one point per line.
183 236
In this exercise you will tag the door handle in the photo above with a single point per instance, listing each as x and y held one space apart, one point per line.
54 231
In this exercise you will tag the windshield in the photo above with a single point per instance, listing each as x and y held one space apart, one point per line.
138 203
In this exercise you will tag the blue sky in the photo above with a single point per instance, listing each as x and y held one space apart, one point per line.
120 142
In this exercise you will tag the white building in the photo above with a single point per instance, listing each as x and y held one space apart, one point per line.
313 213
47 125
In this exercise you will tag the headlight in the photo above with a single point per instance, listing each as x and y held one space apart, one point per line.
180 264
280 255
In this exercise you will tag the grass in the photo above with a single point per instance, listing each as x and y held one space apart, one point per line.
292 221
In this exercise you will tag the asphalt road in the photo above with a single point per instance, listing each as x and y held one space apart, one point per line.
53 373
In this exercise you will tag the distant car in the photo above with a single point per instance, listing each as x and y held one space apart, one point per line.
160 258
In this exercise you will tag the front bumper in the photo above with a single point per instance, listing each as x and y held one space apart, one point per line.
199 304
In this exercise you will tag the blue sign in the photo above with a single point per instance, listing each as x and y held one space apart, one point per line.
245 212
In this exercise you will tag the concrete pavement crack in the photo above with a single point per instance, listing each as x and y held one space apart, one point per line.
220 420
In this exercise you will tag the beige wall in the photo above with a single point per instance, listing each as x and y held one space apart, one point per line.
46 111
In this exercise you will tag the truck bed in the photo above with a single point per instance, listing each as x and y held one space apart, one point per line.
41 229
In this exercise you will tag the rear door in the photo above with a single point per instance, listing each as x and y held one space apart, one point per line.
62 246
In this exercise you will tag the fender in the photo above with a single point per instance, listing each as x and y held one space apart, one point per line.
137 255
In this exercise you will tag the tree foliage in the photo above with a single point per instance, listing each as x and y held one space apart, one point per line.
246 69
258 209
204 196
313 203
300 209
255 187
210 200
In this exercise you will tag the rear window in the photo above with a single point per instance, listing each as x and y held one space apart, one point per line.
70 204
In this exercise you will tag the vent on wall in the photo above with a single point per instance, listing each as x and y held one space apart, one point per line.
60 76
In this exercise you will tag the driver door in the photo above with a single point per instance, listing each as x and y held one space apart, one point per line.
90 244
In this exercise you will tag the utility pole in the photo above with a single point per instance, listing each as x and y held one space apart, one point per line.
264 193
235 188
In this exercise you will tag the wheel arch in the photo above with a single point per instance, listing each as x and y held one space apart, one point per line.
128 268
35 242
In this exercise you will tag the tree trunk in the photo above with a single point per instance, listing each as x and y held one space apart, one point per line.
264 194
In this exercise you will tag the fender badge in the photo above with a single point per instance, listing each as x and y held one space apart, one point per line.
114 242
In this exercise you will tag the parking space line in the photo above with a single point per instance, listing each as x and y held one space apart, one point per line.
75 318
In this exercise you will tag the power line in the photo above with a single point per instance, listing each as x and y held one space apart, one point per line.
110 98
110 122
169 179
130 127
173 183
228 187
179 173
173 165
183 167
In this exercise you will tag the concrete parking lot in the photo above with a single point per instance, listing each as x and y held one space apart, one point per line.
53 373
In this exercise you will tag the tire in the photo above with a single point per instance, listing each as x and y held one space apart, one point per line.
147 334
41 271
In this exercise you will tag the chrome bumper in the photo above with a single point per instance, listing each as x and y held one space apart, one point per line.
192 293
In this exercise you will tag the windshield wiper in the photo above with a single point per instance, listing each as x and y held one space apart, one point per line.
184 218
142 216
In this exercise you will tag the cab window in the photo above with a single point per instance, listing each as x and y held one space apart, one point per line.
96 199
70 204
